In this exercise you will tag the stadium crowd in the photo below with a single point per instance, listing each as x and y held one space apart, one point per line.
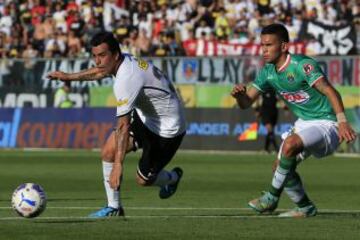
54 28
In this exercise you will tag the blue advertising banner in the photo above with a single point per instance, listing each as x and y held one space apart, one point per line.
55 128
87 128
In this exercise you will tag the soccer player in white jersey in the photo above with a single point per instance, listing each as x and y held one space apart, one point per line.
299 81
149 116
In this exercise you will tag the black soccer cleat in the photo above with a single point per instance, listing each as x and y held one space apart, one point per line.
169 189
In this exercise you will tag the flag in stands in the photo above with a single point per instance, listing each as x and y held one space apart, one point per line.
250 133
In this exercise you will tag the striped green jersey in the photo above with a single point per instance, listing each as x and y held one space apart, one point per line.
293 83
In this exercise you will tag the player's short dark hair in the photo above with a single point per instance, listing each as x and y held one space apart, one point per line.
109 39
278 29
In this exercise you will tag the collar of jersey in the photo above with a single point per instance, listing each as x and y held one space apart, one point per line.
124 69
287 62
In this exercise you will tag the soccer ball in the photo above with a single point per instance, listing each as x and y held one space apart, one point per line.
29 200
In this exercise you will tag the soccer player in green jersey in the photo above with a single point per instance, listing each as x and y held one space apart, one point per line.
321 124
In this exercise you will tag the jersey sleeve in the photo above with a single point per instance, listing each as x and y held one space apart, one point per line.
126 93
260 82
310 71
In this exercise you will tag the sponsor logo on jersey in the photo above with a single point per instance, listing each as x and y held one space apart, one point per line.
299 97
307 67
122 102
290 77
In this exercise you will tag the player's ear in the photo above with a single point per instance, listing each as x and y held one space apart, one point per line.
284 46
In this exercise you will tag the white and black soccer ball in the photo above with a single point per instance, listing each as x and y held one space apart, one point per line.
29 200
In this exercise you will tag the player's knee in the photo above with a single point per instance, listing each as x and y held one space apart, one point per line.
142 182
290 147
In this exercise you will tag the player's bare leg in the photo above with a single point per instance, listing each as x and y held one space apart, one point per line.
114 206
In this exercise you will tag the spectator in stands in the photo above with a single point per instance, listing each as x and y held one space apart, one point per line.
222 26
240 36
29 56
59 17
77 24
15 43
6 21
122 29
74 45
145 25
160 49
189 44
85 17
175 48
85 11
143 43
254 27
293 31
264 6
55 46
37 12
61 97
202 29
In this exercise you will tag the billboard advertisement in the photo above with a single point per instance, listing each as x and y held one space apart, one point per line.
87 128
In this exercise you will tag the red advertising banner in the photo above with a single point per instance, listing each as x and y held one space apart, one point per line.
200 47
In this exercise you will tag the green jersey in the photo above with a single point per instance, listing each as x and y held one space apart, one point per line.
293 83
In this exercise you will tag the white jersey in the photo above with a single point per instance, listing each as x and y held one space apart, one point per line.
141 86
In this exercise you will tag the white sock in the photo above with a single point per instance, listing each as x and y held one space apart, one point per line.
164 178
295 193
294 188
279 177
113 196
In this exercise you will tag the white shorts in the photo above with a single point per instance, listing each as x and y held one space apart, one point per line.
320 137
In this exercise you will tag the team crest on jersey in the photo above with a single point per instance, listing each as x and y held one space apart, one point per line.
307 67
122 102
290 77
299 97
143 64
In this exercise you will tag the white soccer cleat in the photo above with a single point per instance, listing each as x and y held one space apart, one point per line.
308 211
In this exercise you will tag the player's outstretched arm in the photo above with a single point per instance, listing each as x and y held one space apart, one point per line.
94 73
244 97
345 130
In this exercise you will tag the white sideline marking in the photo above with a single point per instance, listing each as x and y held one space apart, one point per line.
199 209
137 217
186 151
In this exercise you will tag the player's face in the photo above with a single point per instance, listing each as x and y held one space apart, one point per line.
272 48
103 56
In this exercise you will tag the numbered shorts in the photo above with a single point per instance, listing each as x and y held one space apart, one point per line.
320 137
157 151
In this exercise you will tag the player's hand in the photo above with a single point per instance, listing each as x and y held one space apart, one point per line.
239 89
58 75
346 132
115 176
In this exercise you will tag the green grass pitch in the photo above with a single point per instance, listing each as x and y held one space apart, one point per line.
211 202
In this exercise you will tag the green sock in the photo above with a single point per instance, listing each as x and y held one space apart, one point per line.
305 201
